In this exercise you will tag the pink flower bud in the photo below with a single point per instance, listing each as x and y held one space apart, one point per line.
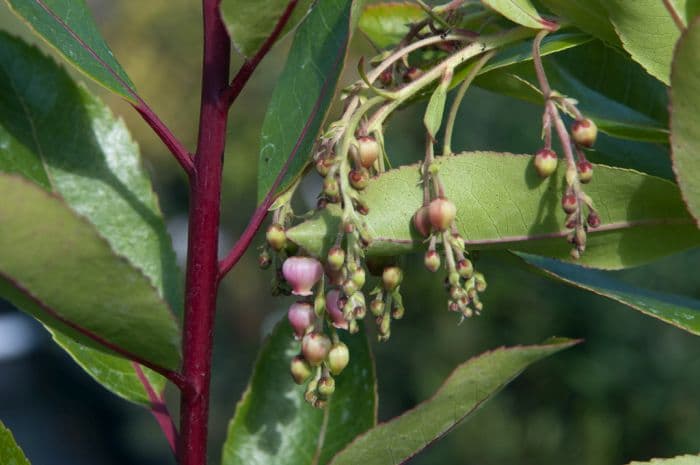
334 310
302 273
301 316
315 347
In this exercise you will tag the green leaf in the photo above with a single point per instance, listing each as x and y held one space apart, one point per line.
55 266
273 423
436 107
303 93
678 311
501 203
250 22
112 371
587 15
692 9
680 460
385 24
623 105
10 453
647 32
64 139
685 130
521 12
68 27
468 387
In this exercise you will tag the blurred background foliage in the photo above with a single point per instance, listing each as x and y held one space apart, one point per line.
631 391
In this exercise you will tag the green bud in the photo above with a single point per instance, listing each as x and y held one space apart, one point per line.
326 386
330 187
358 277
336 258
300 369
432 260
392 277
465 268
349 287
276 237
338 358
377 307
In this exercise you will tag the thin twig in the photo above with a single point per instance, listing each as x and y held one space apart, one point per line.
452 117
178 150
159 409
246 71
675 15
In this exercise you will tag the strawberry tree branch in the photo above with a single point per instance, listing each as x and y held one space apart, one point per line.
246 71
202 276
159 409
178 150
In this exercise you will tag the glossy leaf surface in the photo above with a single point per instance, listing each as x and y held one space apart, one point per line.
59 136
679 311
303 93
465 390
685 127
10 452
250 22
273 423
519 11
89 293
502 203
647 32
68 27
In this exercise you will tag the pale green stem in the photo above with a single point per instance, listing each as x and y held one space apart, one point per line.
452 117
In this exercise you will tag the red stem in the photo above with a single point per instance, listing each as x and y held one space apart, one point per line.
159 409
246 71
176 148
202 277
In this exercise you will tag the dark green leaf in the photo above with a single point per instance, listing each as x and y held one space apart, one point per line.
685 130
588 15
67 26
385 24
61 137
250 22
274 425
612 106
303 93
647 32
680 460
10 453
502 203
519 11
678 311
692 9
55 266
465 390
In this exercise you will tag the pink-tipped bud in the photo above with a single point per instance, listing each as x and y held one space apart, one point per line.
301 316
545 162
432 260
392 277
593 220
338 358
442 213
584 132
302 273
326 386
421 221
359 178
335 310
315 347
368 150
585 171
336 258
465 268
569 203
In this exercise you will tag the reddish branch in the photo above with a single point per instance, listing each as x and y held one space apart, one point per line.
180 153
159 409
246 71
202 275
